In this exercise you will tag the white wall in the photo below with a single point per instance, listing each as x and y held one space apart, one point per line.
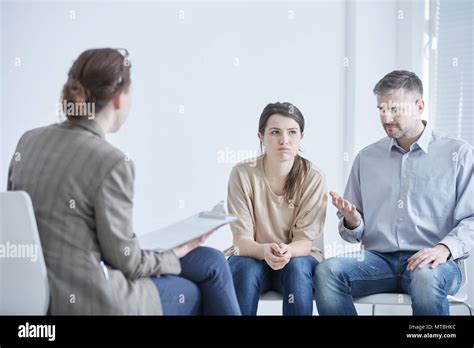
188 63
200 82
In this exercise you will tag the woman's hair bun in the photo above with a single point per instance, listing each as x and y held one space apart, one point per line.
75 92
96 77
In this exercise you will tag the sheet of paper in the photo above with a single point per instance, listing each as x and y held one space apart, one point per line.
181 232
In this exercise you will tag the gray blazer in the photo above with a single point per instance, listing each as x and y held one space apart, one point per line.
82 190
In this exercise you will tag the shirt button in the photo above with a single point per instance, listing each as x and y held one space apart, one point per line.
400 219
403 241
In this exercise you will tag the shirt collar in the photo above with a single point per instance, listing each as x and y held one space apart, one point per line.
423 142
426 138
89 125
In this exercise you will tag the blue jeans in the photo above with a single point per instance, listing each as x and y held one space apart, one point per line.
204 286
253 277
339 279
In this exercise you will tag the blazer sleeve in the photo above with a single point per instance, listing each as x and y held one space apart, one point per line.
118 243
9 180
13 162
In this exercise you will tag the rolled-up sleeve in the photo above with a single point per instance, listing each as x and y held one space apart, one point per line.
118 243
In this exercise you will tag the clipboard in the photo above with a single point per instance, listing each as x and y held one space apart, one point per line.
186 230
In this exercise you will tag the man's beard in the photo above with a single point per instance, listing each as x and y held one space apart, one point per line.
396 132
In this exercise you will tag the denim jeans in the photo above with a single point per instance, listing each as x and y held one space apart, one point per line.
204 286
339 279
253 277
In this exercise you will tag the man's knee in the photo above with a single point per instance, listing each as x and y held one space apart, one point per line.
423 279
332 268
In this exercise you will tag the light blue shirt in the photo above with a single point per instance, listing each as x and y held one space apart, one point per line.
416 199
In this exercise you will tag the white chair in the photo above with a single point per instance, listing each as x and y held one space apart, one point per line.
24 288
274 296
459 299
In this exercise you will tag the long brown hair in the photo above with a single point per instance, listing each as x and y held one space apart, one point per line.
300 165
96 77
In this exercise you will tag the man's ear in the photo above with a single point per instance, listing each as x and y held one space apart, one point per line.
116 101
420 106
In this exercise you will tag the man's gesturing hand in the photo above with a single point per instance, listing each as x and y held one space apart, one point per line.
352 217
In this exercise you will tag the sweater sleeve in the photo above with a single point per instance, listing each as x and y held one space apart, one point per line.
311 215
240 204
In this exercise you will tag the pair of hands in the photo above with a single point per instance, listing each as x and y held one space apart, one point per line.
352 219
184 249
277 255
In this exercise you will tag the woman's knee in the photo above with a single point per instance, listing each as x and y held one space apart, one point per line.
211 254
178 295
301 266
190 293
212 258
248 267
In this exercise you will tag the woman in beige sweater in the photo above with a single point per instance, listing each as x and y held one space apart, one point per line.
280 200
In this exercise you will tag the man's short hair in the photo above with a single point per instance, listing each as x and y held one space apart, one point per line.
399 79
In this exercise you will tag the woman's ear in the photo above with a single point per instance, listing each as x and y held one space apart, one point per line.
302 135
260 137
116 101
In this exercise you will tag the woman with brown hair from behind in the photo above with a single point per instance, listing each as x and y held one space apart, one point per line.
81 187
